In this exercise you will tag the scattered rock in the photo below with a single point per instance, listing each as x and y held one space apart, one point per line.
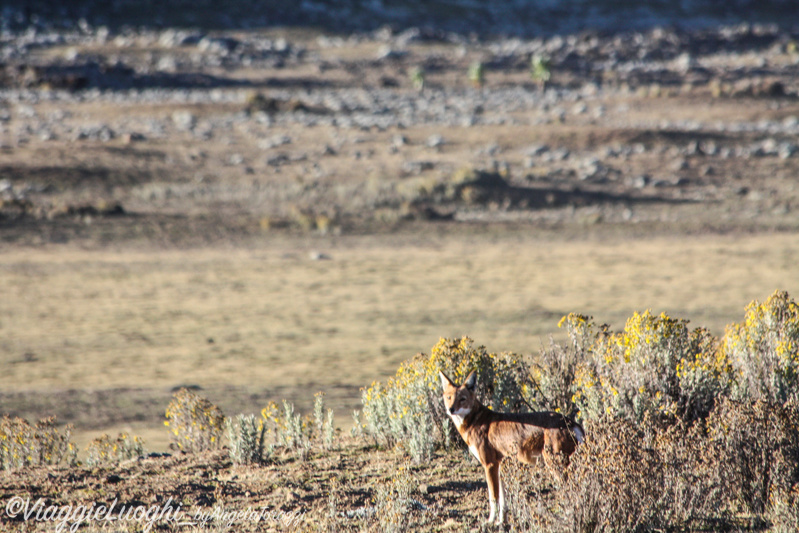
184 120
399 140
417 167
435 141
274 141
319 256
640 181
217 45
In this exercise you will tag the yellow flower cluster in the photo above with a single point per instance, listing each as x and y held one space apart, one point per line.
655 364
103 450
580 327
195 423
22 444
763 350
270 414
642 332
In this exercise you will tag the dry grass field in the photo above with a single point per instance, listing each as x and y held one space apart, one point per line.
272 322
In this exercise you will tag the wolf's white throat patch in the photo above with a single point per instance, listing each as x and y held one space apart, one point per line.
459 415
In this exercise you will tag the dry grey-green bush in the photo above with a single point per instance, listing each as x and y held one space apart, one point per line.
738 467
246 439
525 487
763 350
784 512
393 501
553 377
323 423
613 483
294 433
625 477
655 367
755 452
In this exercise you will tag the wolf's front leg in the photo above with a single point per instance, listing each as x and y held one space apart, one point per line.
501 515
492 477
493 504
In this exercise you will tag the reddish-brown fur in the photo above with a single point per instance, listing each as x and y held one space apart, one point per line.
492 436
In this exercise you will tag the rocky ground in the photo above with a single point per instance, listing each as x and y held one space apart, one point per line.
181 137
353 487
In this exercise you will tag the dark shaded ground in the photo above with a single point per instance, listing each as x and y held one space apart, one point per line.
503 17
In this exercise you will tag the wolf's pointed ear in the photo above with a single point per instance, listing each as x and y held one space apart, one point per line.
471 380
445 381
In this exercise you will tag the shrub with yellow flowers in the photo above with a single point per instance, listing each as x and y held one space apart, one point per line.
655 366
104 450
407 410
763 350
292 432
195 424
23 444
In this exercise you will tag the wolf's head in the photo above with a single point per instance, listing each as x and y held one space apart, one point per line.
459 400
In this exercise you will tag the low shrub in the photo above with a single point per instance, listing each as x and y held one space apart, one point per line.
736 469
654 367
630 477
195 424
253 440
293 432
763 350
23 444
685 431
525 486
393 501
553 377
103 450
540 70
784 511
246 438
417 77
476 74
323 423
755 451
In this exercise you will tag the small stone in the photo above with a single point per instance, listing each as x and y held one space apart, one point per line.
399 140
184 120
435 141
274 141
787 150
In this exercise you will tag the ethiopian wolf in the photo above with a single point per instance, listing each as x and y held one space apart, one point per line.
492 436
